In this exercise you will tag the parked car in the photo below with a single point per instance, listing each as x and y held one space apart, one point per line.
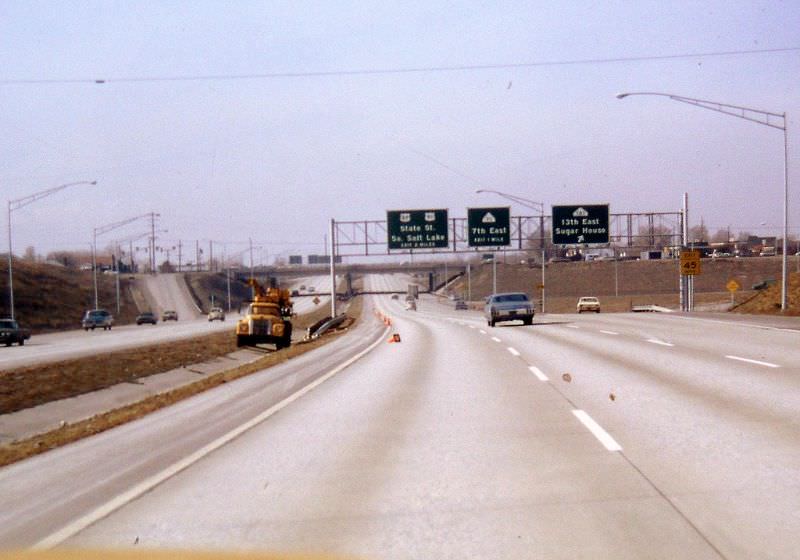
295 293
411 305
169 315
511 306
216 314
461 305
588 304
146 317
395 296
97 318
10 332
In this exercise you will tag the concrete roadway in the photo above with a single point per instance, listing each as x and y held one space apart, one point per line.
602 436
166 289
73 344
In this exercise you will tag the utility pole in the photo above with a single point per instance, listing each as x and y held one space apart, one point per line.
180 254
210 255
153 242
197 255
333 268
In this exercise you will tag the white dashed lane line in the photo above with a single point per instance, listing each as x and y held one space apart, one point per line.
756 362
482 331
573 326
598 432
496 339
538 373
513 351
609 332
659 342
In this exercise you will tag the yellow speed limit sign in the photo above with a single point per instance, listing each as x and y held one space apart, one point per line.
690 262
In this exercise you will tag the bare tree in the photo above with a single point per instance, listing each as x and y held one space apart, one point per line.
30 254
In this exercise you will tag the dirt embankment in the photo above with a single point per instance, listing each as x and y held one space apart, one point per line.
50 298
635 282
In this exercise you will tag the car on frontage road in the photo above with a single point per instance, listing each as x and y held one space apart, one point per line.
216 314
169 315
512 306
588 304
11 332
97 319
146 317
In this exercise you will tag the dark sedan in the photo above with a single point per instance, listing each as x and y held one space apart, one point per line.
146 317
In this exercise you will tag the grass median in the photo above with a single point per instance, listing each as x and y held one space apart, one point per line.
123 366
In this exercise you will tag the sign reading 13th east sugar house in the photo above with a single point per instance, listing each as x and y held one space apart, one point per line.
574 225
489 227
417 229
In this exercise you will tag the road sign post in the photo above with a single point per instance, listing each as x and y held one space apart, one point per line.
417 229
732 286
578 225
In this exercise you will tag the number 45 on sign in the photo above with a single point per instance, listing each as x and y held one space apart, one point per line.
690 262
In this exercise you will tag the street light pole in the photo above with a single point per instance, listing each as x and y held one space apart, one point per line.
761 117
16 205
110 227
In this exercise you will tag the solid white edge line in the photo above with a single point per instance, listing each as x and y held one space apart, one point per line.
148 484
513 351
749 361
538 373
496 339
598 432
659 342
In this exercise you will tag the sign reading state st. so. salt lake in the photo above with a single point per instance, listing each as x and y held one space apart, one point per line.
417 229
489 227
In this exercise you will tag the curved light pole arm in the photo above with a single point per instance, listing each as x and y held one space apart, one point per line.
25 200
16 205
105 229
757 116
739 111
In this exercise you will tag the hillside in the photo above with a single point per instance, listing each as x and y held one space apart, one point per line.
637 282
50 297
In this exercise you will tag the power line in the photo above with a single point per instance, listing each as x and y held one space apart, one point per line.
386 71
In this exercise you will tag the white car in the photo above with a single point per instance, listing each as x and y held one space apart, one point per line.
216 314
588 304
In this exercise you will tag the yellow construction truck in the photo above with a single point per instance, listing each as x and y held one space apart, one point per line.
268 318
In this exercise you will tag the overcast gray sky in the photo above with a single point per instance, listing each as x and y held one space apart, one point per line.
275 158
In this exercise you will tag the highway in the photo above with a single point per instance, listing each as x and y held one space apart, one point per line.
591 436
167 293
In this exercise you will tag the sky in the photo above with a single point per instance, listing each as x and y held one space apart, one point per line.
244 120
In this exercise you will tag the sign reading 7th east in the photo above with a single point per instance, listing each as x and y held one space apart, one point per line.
416 229
574 225
489 227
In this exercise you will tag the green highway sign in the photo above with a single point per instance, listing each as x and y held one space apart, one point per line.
417 229
577 225
489 227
